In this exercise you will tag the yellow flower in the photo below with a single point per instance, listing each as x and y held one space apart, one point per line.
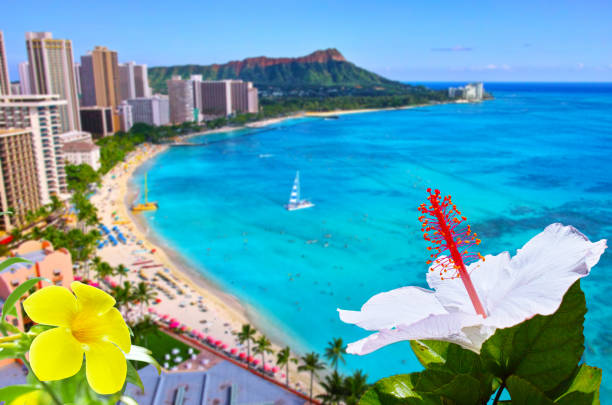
87 324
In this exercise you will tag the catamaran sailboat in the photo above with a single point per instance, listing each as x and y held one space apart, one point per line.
294 200
147 206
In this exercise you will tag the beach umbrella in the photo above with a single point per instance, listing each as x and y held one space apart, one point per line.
276 369
174 320
224 346
183 328
151 310
242 356
250 359
267 368
218 343
255 361
174 324
158 300
165 317
234 351
78 278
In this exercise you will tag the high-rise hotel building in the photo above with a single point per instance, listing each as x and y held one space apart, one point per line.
228 97
133 81
180 93
52 72
19 186
5 82
41 116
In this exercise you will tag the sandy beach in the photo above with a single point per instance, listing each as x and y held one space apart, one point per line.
184 294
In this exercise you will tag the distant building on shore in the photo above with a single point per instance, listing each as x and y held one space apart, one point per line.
52 72
82 152
16 88
151 110
18 177
126 118
5 81
24 78
228 97
133 81
98 121
41 115
471 92
180 93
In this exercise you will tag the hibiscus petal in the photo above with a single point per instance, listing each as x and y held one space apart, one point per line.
541 273
51 305
106 368
485 276
404 305
447 327
92 300
55 354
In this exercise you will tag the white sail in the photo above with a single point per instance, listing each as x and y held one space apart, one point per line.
294 198
295 203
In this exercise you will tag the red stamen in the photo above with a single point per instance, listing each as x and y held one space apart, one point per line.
444 219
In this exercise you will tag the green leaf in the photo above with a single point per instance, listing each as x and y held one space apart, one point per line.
139 353
17 293
396 390
462 389
12 260
11 392
584 387
11 352
430 352
523 392
543 350
132 376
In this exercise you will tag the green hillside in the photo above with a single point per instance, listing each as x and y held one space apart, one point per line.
326 68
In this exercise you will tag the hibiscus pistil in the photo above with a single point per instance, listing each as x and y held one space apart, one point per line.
452 240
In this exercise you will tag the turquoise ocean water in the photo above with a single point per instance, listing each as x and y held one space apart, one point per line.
537 154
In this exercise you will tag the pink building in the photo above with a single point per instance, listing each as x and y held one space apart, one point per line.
54 265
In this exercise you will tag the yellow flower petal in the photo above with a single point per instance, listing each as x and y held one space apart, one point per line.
51 305
55 354
106 368
91 299
108 327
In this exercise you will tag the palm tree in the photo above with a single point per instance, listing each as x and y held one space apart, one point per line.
283 358
103 270
263 346
56 203
96 261
334 385
144 293
355 386
121 270
311 364
335 352
124 294
247 334
16 234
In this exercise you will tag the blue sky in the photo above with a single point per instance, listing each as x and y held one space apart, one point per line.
405 40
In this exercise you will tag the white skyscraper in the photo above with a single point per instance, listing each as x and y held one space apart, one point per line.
52 72
25 78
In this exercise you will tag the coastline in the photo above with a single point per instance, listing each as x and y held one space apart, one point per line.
225 314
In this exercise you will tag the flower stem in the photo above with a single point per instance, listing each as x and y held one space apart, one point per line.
499 392
44 384
9 338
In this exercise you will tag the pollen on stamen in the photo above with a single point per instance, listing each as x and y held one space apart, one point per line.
446 229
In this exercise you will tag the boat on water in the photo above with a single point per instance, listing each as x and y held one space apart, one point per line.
146 206
295 203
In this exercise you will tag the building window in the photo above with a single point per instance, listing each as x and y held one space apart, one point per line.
57 272
15 283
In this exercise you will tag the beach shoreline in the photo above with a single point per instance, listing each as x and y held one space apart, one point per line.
225 313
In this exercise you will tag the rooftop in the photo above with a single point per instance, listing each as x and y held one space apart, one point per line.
79 146
14 131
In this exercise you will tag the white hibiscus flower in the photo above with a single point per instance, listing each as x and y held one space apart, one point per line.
511 290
